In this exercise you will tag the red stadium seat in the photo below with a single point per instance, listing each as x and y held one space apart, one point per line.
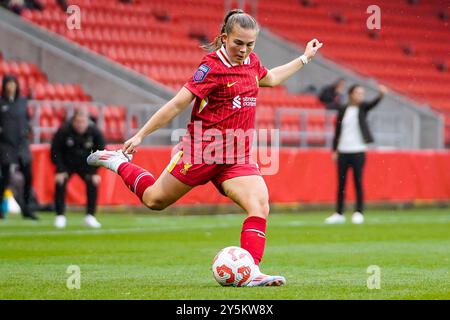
315 129
39 91
60 92
290 127
93 111
50 92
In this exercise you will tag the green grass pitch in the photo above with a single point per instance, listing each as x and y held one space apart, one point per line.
137 256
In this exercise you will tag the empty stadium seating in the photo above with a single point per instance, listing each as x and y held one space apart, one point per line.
410 53
155 38
56 99
150 37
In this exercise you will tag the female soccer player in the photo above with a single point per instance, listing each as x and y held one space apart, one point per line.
225 87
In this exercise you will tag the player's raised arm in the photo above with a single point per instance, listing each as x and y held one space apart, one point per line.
278 75
161 118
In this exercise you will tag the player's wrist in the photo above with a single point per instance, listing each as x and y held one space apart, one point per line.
304 59
140 136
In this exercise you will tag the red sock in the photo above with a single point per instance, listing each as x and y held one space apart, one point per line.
136 178
253 237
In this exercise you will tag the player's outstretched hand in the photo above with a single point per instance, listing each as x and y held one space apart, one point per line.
312 47
130 145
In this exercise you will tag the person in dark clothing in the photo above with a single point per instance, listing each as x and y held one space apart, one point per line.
350 141
70 146
14 142
62 4
332 95
17 6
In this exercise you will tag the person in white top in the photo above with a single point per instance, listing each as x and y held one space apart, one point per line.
351 137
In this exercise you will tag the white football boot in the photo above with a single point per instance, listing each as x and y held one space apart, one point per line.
60 221
263 280
108 159
335 218
92 222
357 218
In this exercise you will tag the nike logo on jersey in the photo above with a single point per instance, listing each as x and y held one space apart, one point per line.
229 85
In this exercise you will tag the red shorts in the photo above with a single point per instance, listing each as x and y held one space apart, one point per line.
198 174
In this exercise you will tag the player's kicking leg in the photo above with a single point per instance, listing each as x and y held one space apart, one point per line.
155 194
250 193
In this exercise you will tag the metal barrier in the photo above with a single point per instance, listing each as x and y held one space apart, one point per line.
391 130
55 113
304 137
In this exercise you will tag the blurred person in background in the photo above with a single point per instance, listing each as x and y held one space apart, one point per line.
332 95
62 4
17 6
14 143
352 134
70 146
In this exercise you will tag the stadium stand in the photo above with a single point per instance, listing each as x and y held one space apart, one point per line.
55 101
158 50
148 35
418 57
34 83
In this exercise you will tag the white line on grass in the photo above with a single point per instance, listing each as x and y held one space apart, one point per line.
111 231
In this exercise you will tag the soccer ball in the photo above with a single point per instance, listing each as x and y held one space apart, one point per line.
233 266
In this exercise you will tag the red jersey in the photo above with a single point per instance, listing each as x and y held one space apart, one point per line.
225 95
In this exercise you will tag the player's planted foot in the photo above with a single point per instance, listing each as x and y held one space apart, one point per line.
335 218
264 280
108 159
92 222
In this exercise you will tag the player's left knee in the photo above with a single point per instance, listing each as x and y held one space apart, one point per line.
260 208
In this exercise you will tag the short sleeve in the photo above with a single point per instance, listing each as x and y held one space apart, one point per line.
204 80
262 71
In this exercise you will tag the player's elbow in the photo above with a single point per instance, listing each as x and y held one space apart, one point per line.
276 81
268 83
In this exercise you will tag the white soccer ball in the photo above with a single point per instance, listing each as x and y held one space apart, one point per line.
233 266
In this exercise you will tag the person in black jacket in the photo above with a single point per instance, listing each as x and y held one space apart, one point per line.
71 145
14 143
350 141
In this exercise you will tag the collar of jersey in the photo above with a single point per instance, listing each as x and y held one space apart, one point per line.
225 58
